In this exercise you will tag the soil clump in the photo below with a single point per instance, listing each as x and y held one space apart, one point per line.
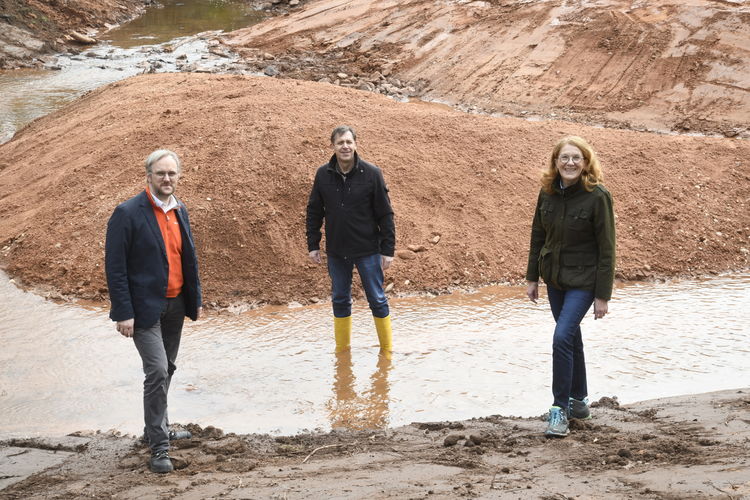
683 447
32 30
463 187
679 66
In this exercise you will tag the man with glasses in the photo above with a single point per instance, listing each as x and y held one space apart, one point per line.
351 195
152 275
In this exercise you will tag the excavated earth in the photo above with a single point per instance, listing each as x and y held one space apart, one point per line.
667 65
463 187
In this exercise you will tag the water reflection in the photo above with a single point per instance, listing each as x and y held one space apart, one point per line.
178 18
64 368
368 411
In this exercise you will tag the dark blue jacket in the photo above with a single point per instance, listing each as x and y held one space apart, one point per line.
356 209
136 263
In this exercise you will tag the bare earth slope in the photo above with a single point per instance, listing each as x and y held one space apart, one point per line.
251 145
667 65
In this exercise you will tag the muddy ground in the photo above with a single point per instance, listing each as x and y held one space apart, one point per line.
684 447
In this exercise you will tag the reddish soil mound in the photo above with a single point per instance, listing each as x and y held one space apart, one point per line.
658 65
251 145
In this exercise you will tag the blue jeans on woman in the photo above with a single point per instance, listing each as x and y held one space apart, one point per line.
568 364
370 272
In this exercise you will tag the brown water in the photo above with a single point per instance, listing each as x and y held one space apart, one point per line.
128 50
64 368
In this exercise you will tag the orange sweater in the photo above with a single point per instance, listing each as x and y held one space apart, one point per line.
170 233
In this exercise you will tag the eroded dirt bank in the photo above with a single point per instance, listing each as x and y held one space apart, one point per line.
684 447
646 65
251 145
29 29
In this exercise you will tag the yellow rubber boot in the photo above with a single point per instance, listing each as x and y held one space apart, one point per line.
342 330
385 334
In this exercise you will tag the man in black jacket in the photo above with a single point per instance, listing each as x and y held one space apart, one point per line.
351 195
152 275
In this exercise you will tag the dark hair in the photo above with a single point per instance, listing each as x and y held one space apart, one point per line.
341 130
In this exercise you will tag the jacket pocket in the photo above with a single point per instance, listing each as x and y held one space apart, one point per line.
578 270
580 221
545 264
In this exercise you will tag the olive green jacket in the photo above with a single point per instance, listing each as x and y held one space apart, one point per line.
573 240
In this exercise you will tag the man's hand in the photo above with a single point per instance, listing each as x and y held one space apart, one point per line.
601 307
126 327
532 291
315 256
385 261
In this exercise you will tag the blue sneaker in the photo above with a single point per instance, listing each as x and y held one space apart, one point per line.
557 425
579 408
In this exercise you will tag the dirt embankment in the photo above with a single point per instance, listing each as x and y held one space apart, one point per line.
682 66
29 29
675 448
251 145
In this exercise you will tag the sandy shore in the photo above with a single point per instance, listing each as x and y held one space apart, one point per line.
693 446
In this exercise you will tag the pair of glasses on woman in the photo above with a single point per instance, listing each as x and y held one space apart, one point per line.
565 159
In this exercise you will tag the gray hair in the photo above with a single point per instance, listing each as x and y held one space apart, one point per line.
341 130
158 155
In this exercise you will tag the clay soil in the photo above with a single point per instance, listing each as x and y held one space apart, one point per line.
686 447
665 65
251 146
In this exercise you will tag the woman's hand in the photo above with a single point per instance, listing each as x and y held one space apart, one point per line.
600 308
532 291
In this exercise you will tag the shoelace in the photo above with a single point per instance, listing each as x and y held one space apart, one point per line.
555 417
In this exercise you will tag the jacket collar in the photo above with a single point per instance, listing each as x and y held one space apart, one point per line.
333 165
568 191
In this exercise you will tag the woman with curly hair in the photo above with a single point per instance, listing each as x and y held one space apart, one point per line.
573 250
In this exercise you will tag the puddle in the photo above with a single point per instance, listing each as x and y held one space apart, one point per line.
64 368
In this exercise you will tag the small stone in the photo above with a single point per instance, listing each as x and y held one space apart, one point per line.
270 71
452 439
314 300
342 76
406 255
388 287
476 438
268 57
435 239
293 3
179 462
416 248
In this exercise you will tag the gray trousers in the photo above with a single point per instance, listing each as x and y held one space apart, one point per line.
158 346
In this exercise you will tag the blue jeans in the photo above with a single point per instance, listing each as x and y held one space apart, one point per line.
370 272
568 364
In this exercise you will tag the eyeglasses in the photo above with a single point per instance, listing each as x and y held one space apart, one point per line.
565 159
162 175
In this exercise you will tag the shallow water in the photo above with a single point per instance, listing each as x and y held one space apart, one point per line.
125 51
64 368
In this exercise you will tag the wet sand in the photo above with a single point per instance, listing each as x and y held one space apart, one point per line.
683 447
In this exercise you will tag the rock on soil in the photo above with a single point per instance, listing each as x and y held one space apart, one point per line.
251 145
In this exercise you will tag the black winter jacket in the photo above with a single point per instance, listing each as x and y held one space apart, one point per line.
356 209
